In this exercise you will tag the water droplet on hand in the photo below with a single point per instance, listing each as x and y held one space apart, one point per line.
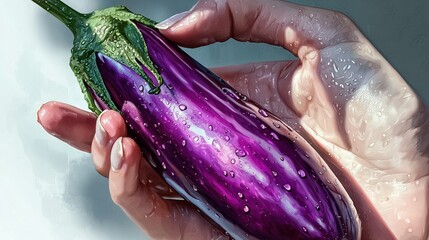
335 67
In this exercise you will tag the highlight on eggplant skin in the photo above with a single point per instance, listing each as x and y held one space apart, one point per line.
242 167
226 159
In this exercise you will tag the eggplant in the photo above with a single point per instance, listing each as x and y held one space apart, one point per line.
243 168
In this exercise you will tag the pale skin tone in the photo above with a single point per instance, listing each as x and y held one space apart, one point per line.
340 94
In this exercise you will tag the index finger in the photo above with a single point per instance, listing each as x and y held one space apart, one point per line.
274 22
68 123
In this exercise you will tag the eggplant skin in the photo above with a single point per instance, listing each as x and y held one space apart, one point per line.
222 153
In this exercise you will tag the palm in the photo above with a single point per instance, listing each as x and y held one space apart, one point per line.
355 110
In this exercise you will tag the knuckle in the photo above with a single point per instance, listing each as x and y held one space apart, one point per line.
121 197
101 170
122 193
100 166
114 114
116 199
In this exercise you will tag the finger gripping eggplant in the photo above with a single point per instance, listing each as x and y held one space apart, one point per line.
242 167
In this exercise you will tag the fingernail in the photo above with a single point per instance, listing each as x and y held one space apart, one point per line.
171 20
100 131
39 113
117 155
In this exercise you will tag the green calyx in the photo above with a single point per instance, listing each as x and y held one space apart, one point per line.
111 32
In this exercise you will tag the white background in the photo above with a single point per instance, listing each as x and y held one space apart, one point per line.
49 190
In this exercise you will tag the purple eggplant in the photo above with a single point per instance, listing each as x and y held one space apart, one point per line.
241 166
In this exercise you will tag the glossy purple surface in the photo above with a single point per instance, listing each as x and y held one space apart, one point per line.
228 160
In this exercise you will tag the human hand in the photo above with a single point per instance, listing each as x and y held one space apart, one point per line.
133 184
341 95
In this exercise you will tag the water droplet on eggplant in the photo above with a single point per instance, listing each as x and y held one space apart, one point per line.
246 209
274 136
183 107
216 145
302 173
240 153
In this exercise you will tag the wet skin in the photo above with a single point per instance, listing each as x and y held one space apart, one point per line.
340 94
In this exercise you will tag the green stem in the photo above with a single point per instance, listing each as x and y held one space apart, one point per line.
70 17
